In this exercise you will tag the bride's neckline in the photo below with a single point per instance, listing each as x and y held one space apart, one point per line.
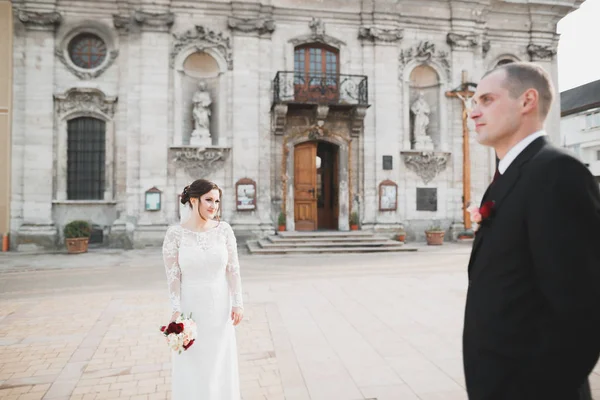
193 231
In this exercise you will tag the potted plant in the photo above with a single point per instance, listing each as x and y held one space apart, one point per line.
401 235
354 221
77 235
435 235
281 222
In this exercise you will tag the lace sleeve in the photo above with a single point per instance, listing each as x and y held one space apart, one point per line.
233 271
170 252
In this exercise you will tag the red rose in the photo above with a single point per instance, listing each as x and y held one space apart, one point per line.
191 342
486 209
175 328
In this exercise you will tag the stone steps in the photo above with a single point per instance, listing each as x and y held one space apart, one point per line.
325 242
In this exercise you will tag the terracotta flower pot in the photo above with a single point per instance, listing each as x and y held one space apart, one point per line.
77 245
402 237
435 238
281 228
354 227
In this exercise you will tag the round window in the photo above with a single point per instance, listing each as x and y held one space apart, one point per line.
87 51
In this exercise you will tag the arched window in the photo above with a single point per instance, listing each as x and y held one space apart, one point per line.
316 73
86 155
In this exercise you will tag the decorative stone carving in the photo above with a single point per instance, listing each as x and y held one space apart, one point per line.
317 27
84 100
203 38
199 161
426 164
486 45
463 42
425 53
357 120
258 25
538 53
279 118
122 23
40 20
382 35
160 22
62 55
321 112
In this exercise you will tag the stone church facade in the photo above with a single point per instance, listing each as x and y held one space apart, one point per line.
313 109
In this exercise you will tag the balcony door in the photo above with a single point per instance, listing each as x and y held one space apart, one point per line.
316 74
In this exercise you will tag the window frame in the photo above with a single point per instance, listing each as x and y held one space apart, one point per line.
312 84
74 189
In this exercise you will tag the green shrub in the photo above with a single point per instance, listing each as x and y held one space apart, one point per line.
77 229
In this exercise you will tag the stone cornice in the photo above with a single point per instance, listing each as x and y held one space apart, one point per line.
541 53
380 35
461 42
158 22
40 20
259 26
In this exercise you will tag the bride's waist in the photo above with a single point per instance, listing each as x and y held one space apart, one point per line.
218 283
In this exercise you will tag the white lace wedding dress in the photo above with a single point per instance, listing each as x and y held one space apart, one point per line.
203 274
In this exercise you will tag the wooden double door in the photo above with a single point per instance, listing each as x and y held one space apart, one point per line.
316 186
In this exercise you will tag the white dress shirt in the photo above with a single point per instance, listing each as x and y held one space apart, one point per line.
517 149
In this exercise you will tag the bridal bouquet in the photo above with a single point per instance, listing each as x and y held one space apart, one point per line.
180 334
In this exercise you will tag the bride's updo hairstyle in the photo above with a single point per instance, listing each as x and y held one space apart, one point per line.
197 189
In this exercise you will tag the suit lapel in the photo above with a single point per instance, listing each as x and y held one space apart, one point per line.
499 190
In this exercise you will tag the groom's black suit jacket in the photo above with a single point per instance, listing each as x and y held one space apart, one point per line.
532 318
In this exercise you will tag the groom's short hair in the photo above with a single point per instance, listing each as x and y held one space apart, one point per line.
521 76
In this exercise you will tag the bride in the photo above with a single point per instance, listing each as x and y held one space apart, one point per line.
203 275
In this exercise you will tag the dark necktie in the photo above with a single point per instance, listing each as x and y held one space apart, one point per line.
496 175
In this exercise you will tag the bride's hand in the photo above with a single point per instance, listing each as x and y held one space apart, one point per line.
236 315
175 316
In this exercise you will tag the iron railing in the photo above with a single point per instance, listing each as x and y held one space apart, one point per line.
320 88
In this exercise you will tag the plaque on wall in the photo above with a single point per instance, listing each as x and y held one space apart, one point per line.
388 196
426 199
153 199
387 162
245 194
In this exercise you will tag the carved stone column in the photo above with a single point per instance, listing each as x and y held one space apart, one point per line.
154 44
252 27
381 40
37 139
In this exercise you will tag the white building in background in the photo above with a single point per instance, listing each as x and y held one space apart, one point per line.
580 124
305 107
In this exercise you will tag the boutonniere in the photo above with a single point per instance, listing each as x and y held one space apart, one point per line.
482 214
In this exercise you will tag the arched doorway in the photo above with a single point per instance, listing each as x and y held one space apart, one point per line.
316 184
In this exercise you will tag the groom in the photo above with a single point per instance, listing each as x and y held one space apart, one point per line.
532 317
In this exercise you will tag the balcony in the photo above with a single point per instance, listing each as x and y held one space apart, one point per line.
322 89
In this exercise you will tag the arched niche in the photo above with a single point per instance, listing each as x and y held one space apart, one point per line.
502 59
192 66
424 89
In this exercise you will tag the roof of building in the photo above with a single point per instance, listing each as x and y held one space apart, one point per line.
580 98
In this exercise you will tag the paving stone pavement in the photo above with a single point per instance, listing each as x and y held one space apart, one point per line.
353 327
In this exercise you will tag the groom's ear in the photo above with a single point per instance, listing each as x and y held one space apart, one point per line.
530 101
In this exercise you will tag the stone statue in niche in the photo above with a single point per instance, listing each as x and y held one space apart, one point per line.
421 111
202 101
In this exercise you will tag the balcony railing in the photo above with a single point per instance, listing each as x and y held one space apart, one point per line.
319 88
